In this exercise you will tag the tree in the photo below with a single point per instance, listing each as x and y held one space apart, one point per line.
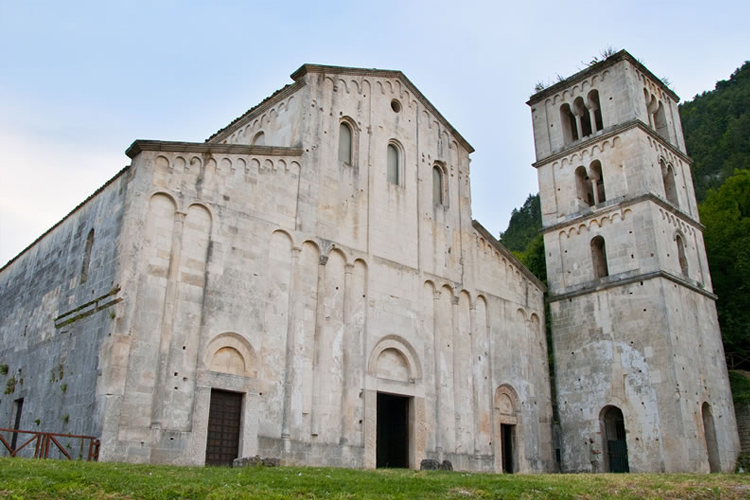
726 215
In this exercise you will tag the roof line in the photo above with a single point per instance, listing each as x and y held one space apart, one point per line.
507 253
91 196
388 73
141 145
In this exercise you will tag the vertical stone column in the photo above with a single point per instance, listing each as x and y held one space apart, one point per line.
290 375
170 301
438 378
371 428
346 416
319 313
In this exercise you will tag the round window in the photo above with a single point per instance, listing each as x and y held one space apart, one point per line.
396 106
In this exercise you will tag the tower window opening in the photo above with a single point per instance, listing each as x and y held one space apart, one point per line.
584 189
599 257
582 114
595 110
660 121
670 189
597 180
569 124
681 255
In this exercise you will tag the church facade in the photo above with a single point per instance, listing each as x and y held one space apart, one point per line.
308 284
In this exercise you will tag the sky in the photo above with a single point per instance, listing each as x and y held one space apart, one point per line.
81 80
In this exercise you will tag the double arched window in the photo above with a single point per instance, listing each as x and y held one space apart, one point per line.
590 184
582 118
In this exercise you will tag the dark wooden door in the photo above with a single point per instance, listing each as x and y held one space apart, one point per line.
225 411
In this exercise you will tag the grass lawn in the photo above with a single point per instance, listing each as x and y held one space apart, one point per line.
56 479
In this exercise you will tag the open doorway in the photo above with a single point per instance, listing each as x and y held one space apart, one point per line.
392 449
508 433
616 447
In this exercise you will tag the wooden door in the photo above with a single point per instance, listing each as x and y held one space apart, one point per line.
224 415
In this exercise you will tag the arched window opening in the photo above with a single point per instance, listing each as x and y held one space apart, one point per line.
670 189
660 121
681 255
599 257
393 165
579 109
709 431
569 124
345 143
87 257
595 110
259 139
437 186
597 179
647 98
584 190
615 447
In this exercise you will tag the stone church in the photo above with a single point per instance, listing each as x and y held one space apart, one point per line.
308 284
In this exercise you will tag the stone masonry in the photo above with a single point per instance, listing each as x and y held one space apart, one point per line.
312 261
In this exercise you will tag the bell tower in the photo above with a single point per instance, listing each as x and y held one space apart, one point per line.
640 371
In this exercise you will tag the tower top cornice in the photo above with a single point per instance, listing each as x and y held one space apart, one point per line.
615 58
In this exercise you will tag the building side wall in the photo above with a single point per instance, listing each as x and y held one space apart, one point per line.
54 321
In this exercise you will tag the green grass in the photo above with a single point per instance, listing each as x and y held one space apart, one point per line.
56 479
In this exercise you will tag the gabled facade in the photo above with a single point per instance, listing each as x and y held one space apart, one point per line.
308 284
640 367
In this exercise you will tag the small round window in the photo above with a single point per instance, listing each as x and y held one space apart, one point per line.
396 106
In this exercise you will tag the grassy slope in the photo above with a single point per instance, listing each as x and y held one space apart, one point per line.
53 479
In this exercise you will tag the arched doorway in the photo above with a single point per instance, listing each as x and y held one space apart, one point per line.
506 430
709 431
615 444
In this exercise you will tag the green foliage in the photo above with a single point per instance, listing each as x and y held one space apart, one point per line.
716 126
3 369
726 215
68 480
740 387
64 388
533 258
66 418
10 385
37 421
743 464
525 224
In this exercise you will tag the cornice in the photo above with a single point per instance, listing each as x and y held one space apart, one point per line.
622 55
608 133
606 284
142 145
623 204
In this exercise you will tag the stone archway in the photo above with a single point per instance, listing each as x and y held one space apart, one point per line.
507 430
394 406
615 452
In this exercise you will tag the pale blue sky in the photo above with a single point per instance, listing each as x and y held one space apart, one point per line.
79 80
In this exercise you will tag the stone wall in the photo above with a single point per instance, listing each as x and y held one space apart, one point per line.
59 300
